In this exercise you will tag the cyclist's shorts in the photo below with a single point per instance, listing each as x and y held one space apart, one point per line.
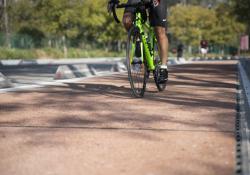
157 12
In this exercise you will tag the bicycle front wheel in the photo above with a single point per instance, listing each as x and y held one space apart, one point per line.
136 65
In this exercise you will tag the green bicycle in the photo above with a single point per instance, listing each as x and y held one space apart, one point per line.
142 53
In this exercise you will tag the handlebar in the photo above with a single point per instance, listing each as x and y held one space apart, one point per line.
135 5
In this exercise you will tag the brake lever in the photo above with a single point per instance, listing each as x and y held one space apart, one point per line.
109 8
114 14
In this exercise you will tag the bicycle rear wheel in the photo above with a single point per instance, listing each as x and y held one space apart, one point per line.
136 65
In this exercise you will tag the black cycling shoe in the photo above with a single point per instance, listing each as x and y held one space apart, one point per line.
163 75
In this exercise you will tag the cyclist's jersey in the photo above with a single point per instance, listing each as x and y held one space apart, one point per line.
157 12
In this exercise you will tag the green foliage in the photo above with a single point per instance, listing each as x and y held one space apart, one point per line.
227 30
80 23
36 35
99 25
190 24
6 53
76 20
22 15
241 9
60 17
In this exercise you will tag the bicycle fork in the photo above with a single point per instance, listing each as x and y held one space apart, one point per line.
144 45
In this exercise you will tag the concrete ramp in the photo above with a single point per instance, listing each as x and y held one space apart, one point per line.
106 68
87 70
4 82
72 71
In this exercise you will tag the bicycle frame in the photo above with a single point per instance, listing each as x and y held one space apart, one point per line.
148 45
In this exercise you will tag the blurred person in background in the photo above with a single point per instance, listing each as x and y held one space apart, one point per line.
204 48
180 49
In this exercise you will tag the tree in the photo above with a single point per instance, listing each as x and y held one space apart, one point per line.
60 17
227 29
74 21
241 9
4 19
99 25
190 24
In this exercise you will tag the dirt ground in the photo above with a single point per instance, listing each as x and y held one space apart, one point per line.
95 127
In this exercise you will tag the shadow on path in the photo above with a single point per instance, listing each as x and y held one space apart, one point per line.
110 99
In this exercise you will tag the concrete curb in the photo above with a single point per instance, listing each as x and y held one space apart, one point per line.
97 60
174 61
213 58
246 65
243 125
58 61
84 67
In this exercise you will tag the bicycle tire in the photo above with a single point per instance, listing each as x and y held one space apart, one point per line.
160 86
137 71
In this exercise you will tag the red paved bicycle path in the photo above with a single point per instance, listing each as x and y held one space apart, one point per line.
96 127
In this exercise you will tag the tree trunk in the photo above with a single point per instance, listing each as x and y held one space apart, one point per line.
6 25
190 49
118 45
65 49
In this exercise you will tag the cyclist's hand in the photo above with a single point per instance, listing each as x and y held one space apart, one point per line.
112 4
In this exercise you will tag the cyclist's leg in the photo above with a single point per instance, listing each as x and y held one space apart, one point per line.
157 15
128 15
162 44
127 20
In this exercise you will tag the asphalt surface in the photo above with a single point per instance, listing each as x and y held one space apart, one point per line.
96 127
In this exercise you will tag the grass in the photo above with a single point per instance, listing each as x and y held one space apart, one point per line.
52 53
16 54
